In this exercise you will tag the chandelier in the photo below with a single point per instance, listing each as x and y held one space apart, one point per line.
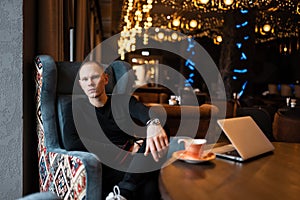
197 18
136 18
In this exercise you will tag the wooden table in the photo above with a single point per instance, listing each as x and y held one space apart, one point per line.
275 176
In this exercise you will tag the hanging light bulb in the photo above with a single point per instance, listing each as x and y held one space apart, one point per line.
218 39
204 1
174 36
228 2
199 25
160 35
176 22
193 23
267 28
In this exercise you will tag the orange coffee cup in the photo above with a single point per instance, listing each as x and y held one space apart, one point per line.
193 147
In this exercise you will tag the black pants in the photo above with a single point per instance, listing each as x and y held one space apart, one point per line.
136 185
143 185
139 186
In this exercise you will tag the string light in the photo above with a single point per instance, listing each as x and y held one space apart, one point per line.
136 19
267 28
283 15
193 23
197 18
176 22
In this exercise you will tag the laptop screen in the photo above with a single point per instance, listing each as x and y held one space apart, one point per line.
245 136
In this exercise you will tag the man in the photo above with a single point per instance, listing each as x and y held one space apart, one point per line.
93 80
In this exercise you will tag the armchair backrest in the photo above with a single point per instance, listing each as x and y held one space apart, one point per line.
117 71
121 72
59 81
70 174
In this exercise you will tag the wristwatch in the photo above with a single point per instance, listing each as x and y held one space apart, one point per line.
154 121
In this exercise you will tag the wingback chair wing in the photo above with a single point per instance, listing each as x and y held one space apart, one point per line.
69 174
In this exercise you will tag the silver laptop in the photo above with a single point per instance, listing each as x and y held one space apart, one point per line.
246 138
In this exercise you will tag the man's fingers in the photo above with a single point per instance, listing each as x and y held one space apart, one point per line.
157 142
162 152
153 151
158 145
147 150
164 142
167 140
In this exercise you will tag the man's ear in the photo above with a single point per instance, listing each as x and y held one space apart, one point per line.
79 81
106 78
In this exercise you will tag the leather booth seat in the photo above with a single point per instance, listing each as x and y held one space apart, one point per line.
286 125
151 94
150 97
184 118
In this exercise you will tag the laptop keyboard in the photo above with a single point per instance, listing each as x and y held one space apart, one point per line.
233 153
223 149
227 150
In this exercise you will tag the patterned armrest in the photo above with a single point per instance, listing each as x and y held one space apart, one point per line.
69 174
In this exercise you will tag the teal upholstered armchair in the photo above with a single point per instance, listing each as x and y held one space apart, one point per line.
69 174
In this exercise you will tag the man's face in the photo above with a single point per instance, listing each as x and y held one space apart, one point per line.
92 80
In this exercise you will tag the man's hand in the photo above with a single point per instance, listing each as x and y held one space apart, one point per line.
136 146
157 141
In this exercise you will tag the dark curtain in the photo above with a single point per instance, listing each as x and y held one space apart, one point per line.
56 17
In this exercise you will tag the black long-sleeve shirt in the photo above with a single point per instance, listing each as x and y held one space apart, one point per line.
112 123
115 114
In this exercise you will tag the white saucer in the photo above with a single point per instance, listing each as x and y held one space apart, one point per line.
181 155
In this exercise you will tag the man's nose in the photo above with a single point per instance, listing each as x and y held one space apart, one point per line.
90 81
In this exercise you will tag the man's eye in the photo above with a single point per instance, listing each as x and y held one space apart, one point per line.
95 77
84 79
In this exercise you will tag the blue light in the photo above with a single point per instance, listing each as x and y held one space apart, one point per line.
244 85
191 67
244 11
243 89
190 64
239 45
190 80
241 71
244 57
191 44
245 23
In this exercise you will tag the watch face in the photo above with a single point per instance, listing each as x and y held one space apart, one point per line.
156 121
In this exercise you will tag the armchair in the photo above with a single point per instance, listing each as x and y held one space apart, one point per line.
69 174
